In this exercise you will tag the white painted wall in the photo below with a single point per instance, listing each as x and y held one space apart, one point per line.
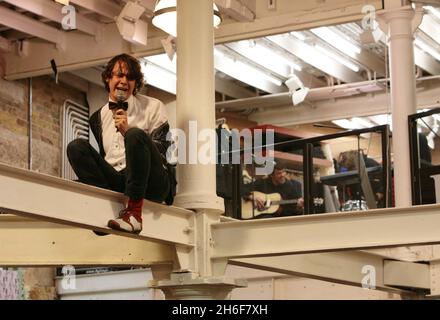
120 285
262 285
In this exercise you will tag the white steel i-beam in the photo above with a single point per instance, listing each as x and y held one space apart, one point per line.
350 268
399 25
51 199
327 232
31 243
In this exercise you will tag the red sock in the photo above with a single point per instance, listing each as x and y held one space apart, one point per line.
135 206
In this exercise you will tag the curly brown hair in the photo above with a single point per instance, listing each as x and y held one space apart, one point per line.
134 71
349 159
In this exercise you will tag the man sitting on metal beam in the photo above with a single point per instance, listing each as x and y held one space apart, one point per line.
131 132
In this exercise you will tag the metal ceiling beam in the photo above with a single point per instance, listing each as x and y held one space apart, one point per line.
283 114
294 16
13 35
311 56
330 232
74 57
233 8
52 11
314 96
366 58
255 55
310 80
158 76
90 74
409 254
147 4
27 242
370 61
5 45
236 10
73 81
30 26
268 22
232 90
346 268
221 85
74 204
275 64
426 61
430 27
103 7
407 274
228 66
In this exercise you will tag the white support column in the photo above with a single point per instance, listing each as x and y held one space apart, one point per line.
399 25
196 101
197 182
196 105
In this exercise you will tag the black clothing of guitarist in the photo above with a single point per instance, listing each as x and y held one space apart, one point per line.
278 183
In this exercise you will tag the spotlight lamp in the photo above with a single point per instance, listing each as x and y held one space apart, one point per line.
165 16
130 25
296 89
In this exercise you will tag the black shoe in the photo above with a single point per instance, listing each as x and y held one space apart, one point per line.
100 233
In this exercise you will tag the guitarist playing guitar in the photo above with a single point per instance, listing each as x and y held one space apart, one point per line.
290 192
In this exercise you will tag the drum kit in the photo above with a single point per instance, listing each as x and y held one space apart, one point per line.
354 205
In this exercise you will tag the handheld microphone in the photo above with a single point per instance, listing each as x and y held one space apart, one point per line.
120 97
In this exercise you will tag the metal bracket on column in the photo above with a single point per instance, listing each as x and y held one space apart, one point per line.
219 266
434 271
185 258
417 20
197 259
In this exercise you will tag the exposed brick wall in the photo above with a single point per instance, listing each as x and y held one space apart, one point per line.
47 101
39 284
13 122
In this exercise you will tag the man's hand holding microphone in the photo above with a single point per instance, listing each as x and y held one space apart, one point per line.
120 113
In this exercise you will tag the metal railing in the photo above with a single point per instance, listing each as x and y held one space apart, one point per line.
307 145
422 186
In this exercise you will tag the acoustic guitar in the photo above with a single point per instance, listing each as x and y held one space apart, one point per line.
272 202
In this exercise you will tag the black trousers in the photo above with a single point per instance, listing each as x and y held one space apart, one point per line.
143 177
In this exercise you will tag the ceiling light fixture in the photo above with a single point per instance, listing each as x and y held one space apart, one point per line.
159 77
337 41
273 55
245 68
298 35
165 16
296 89
433 11
338 58
362 123
130 25
427 48
345 124
381 119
